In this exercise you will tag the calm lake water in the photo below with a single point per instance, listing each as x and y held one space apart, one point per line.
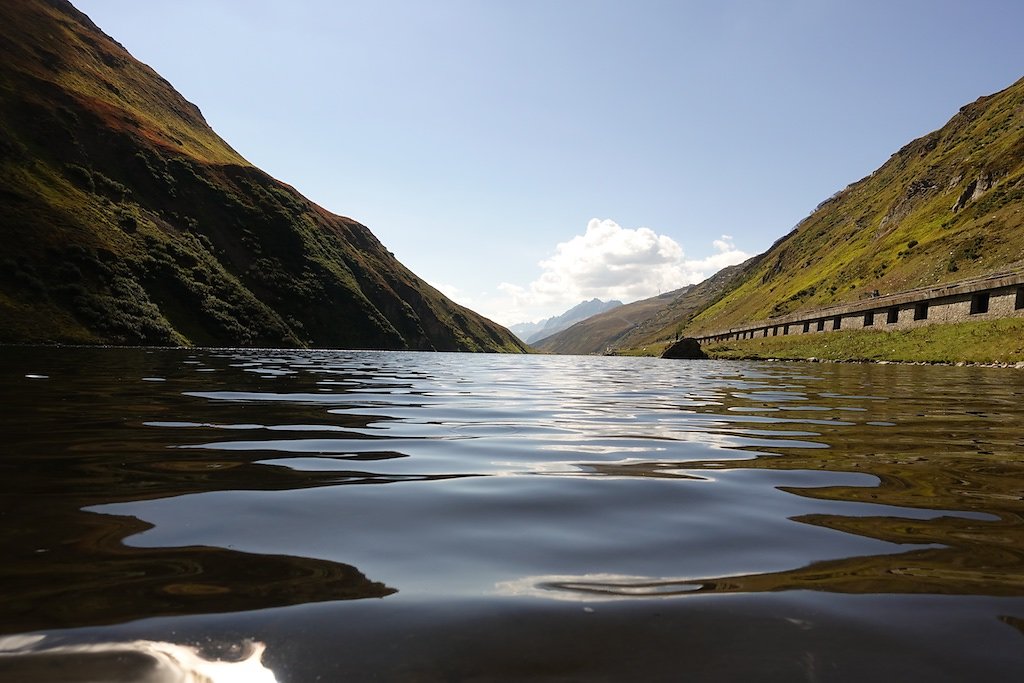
445 517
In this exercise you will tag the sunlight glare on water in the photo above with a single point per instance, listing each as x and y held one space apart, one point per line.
141 661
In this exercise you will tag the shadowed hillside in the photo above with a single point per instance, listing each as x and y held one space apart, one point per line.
125 219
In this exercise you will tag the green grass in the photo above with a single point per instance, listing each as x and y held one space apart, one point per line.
998 341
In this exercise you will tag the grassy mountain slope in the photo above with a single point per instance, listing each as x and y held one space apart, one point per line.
126 219
947 206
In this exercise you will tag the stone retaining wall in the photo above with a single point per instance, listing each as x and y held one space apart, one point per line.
987 298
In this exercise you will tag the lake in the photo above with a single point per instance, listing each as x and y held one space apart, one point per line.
318 516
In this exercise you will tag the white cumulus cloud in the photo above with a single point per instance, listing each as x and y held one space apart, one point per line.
611 261
608 262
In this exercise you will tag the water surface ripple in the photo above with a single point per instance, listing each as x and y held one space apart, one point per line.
614 505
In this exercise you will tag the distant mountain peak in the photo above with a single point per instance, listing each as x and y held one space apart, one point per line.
533 332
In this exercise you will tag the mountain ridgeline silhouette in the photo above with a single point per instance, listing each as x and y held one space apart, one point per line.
534 332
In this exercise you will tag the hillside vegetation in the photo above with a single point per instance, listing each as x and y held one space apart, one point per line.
947 206
125 219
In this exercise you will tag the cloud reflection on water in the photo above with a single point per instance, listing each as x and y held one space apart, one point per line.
28 658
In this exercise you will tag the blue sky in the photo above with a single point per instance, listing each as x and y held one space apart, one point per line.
525 155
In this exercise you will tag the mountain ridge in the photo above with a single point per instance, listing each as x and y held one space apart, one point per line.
126 219
534 332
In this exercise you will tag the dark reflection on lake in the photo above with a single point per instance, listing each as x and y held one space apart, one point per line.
404 516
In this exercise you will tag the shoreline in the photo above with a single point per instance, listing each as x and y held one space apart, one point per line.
996 343
1019 365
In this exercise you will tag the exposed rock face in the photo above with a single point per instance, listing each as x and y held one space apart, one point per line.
686 348
974 190
125 219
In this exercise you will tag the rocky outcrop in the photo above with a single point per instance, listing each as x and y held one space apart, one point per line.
974 190
686 348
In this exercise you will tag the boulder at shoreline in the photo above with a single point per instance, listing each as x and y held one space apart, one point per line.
686 348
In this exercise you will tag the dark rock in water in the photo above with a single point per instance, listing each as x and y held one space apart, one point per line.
687 347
